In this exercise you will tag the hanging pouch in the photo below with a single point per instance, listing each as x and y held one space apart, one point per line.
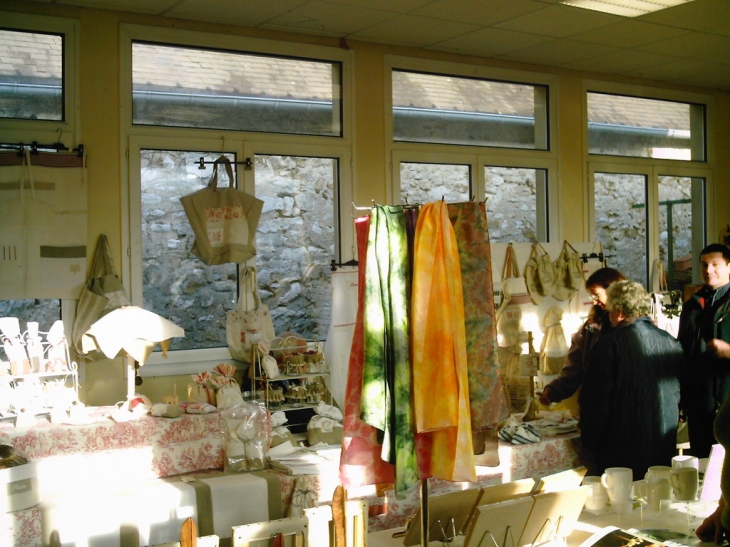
540 275
509 314
569 270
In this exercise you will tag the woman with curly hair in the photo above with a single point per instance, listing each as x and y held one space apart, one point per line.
630 393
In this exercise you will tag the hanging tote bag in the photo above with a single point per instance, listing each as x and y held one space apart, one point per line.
554 348
103 293
250 323
540 275
515 296
224 220
43 218
569 271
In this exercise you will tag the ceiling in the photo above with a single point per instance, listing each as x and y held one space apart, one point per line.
686 44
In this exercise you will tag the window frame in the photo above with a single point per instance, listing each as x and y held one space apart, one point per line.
653 168
478 157
243 144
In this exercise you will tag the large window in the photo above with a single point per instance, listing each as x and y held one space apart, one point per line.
297 171
447 109
203 88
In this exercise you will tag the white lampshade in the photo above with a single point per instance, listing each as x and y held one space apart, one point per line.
134 330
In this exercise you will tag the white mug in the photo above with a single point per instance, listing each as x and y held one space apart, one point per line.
658 489
597 495
685 461
658 471
685 482
618 482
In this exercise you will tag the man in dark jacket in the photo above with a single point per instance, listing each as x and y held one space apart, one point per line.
630 393
705 337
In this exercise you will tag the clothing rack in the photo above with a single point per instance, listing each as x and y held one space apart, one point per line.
247 163
35 147
334 264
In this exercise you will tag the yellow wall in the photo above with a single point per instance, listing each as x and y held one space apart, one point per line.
100 133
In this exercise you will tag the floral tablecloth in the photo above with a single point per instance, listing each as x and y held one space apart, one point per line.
107 455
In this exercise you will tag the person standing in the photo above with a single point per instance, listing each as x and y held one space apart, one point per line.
630 393
705 338
597 325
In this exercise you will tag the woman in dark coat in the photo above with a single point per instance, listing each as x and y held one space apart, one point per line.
630 394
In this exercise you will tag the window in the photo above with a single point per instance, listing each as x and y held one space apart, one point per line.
516 204
193 87
298 171
434 108
426 182
645 128
31 75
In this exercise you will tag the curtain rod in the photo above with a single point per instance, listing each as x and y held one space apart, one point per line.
36 147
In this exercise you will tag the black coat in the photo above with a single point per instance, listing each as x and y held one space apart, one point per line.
629 399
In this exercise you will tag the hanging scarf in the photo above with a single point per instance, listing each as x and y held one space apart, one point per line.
360 462
440 379
488 404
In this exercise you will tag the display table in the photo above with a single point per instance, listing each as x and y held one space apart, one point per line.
105 456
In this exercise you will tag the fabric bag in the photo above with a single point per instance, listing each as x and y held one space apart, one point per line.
515 296
250 323
43 225
541 277
103 293
223 220
201 390
554 348
569 271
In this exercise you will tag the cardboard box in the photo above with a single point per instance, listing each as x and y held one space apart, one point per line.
18 488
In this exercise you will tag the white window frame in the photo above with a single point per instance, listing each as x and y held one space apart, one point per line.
478 157
65 131
244 144
652 167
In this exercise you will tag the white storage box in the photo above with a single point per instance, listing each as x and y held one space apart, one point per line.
18 488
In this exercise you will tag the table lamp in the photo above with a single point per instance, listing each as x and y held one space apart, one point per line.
135 332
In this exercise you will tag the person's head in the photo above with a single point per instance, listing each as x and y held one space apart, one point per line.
715 265
599 281
627 299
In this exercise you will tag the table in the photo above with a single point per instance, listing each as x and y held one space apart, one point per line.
109 456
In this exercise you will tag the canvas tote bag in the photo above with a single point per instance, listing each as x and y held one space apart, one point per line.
250 323
43 218
103 293
541 277
569 270
224 220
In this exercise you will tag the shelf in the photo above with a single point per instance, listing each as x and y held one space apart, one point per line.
282 377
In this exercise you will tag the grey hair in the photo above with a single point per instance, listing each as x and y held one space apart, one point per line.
628 298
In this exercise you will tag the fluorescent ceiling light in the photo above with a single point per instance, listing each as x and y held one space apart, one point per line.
626 8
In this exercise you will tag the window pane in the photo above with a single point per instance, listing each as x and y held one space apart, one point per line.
187 87
296 241
427 182
647 128
433 108
177 285
621 222
677 227
31 75
44 312
514 210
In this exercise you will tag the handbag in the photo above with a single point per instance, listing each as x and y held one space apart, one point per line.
553 349
569 271
250 323
224 220
103 293
515 296
541 277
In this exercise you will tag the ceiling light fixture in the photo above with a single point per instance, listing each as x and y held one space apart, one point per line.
625 8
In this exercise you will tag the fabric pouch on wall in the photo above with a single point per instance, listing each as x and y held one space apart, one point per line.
569 271
509 314
250 323
43 218
540 275
224 220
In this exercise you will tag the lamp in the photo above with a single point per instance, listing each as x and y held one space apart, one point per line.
135 332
